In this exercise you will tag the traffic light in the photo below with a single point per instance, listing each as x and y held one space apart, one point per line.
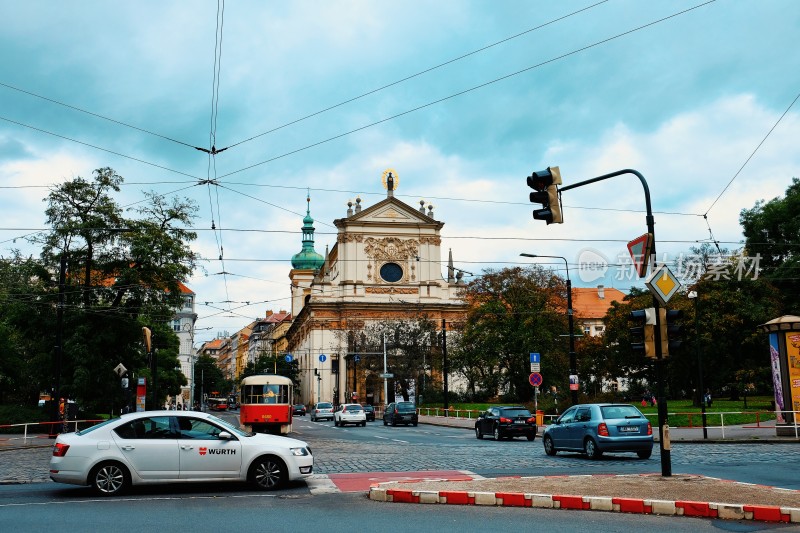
545 183
643 334
147 336
671 330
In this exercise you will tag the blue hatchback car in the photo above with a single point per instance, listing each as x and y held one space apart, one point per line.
595 428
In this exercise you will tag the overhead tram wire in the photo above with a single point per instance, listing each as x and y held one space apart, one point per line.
75 108
211 172
471 89
420 73
97 147
752 154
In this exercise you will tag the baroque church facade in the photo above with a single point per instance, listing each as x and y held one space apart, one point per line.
385 266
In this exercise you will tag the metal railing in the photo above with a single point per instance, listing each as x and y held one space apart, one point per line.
769 422
33 430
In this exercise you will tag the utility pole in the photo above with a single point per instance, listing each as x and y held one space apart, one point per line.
385 379
445 368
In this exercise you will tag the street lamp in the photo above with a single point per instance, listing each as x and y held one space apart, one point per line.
573 364
692 295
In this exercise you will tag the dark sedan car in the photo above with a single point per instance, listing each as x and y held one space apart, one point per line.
506 422
400 413
298 409
600 427
370 412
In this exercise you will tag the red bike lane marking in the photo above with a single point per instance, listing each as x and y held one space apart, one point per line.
362 481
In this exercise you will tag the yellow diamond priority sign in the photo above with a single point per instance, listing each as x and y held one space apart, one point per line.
662 283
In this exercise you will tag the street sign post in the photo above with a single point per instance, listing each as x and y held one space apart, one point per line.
535 379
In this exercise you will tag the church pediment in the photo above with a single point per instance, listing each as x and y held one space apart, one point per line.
392 211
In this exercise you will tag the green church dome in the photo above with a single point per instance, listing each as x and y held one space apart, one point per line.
308 258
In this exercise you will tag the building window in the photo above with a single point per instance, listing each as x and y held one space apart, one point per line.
176 324
587 330
599 329
391 272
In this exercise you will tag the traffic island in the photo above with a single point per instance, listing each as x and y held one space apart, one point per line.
624 494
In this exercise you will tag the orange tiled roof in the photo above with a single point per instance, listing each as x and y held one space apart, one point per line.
587 302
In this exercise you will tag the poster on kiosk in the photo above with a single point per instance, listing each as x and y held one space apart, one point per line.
784 353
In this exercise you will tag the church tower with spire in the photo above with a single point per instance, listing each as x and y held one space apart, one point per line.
305 264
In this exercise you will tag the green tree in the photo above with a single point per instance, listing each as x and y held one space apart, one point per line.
268 363
512 312
771 231
208 378
122 273
26 307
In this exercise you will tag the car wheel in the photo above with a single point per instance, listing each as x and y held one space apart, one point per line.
549 447
644 454
394 422
109 479
497 434
531 437
591 449
415 424
335 423
384 421
268 473
478 432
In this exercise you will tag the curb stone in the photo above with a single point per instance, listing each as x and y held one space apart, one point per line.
386 492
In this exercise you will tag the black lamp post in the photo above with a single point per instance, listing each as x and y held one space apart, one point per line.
573 363
694 296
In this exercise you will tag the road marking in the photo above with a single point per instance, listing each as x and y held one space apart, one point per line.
321 484
398 440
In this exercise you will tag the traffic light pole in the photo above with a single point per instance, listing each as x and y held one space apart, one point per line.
663 441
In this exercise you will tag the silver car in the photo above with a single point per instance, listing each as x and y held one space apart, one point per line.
322 411
175 447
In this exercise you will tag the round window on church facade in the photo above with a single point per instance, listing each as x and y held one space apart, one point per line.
391 272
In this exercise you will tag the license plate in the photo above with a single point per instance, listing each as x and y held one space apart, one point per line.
519 421
629 429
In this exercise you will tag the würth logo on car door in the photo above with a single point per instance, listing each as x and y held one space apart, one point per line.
203 451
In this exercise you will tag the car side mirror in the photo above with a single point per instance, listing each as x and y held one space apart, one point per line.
224 435
557 421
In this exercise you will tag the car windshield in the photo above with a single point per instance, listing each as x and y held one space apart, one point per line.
514 413
620 411
96 426
324 405
233 429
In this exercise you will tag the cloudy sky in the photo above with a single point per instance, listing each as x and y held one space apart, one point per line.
462 98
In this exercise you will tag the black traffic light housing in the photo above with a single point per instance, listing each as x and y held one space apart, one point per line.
643 333
671 331
545 183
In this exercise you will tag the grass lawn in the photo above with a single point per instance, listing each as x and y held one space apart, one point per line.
681 413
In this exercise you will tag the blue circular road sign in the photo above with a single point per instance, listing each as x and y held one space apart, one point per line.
356 358
322 358
288 358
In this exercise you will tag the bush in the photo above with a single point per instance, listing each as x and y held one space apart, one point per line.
14 414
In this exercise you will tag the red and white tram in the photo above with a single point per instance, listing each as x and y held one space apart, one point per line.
266 404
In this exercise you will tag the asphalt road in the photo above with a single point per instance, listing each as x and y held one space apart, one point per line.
323 505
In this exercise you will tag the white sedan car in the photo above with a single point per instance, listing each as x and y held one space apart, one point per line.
349 413
175 447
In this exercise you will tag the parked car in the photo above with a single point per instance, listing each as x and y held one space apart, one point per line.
322 411
597 428
506 422
175 446
298 409
369 411
349 413
400 413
